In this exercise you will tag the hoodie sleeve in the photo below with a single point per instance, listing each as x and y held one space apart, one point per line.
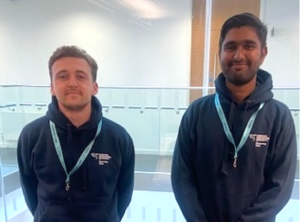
126 176
27 176
183 174
279 179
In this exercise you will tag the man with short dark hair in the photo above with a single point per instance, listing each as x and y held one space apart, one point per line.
75 165
235 154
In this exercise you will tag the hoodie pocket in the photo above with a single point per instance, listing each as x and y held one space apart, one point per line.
57 213
234 206
79 212
92 212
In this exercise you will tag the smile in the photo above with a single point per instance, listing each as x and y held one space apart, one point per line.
73 92
238 64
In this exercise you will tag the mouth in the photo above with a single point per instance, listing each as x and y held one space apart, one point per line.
238 66
73 92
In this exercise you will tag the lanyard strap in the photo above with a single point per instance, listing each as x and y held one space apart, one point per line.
60 154
227 130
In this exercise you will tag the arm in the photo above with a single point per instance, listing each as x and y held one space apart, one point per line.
279 179
183 175
27 176
126 177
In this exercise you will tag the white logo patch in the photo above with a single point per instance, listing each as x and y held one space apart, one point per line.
101 157
260 140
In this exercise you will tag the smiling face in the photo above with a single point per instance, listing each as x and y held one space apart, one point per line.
72 84
241 55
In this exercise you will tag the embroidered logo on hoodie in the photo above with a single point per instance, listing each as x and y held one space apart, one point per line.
101 157
260 140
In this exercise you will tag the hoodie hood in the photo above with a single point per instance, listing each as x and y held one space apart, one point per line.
60 120
261 93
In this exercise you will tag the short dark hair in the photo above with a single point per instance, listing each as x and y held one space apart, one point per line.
76 52
244 19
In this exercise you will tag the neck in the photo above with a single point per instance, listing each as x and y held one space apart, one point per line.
241 92
77 117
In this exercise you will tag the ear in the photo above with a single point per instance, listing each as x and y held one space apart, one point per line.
52 89
95 89
264 53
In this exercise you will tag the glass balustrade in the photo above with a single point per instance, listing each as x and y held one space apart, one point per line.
150 114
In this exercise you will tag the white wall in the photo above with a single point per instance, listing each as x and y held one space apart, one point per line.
127 54
282 60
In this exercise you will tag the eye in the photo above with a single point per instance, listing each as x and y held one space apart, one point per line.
61 76
249 46
81 76
229 47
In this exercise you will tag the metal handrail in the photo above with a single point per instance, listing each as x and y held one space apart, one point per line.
115 106
137 87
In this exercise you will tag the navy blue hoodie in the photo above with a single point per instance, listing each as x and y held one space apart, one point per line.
206 185
100 190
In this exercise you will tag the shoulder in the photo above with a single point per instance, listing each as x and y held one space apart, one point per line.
35 126
282 107
199 110
113 134
114 129
279 108
279 113
32 131
112 126
201 105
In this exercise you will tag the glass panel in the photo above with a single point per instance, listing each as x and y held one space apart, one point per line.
290 96
152 117
2 192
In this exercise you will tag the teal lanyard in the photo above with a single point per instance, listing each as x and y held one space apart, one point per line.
60 154
227 130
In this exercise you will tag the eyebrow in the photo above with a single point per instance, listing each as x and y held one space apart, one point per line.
60 72
81 71
244 41
66 71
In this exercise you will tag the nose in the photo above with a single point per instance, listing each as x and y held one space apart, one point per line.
72 81
239 53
